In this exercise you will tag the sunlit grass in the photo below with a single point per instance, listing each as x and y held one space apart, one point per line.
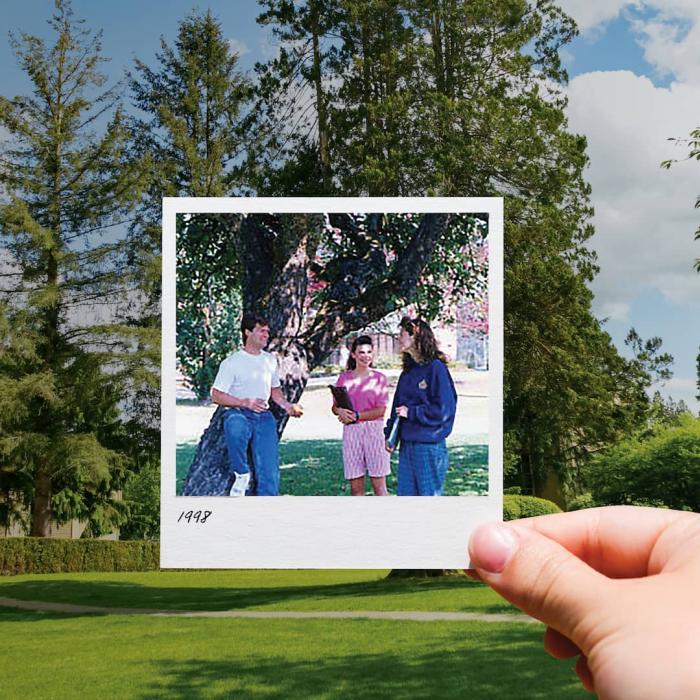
315 468
59 656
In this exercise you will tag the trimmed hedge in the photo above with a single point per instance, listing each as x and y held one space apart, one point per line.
37 555
581 502
516 507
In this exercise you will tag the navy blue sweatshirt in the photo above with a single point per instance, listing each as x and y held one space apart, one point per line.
429 393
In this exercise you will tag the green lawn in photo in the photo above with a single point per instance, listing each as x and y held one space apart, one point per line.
58 656
315 468
305 590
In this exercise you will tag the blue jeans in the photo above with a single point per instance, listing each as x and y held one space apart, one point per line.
422 468
243 428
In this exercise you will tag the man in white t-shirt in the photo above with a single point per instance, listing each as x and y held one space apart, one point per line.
244 384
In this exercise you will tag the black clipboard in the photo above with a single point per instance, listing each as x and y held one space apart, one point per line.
341 396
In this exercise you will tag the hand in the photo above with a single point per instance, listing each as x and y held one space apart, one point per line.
617 587
388 447
345 416
402 411
295 410
256 405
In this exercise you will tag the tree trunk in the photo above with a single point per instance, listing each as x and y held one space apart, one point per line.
41 506
209 474
323 134
421 573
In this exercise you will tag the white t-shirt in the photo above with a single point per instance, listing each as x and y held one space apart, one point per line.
247 376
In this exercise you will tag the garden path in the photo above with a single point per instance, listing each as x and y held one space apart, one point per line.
416 615
470 427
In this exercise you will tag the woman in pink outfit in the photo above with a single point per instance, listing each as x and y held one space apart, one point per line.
363 435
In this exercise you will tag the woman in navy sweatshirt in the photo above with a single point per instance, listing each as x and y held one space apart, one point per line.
426 401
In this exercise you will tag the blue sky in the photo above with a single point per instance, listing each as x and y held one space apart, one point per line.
634 81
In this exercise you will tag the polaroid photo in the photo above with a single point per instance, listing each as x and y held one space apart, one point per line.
332 381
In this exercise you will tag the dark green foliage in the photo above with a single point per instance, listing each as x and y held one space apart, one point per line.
35 555
515 507
581 502
209 299
662 469
142 499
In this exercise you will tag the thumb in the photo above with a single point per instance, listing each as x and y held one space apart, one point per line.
539 576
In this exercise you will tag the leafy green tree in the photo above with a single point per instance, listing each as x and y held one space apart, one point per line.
448 97
209 300
66 355
660 470
666 411
195 125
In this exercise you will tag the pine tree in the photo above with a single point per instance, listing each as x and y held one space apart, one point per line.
195 125
66 357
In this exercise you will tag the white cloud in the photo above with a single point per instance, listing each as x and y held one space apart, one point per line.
667 30
589 14
671 39
685 389
238 47
644 215
269 46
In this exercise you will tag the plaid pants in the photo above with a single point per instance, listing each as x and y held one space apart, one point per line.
422 468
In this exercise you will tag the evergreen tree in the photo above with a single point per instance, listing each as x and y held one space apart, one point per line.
195 126
66 356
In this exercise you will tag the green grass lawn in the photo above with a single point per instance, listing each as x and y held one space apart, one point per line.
53 656
48 655
315 468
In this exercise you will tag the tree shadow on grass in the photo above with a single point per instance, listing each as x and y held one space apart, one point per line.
19 615
120 594
498 663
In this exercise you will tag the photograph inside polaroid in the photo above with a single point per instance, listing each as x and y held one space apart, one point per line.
315 349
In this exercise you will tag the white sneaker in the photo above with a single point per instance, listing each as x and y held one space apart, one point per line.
240 484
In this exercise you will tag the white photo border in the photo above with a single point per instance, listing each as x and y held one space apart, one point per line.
326 531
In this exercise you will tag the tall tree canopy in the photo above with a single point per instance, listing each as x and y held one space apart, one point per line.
66 358
194 122
449 97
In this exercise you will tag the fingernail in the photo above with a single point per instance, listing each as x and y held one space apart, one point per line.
491 546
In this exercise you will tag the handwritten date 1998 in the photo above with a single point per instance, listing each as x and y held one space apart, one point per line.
194 516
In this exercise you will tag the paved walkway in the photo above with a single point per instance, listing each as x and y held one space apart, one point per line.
471 422
416 615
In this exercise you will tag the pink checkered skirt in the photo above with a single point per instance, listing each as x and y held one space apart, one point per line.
364 451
